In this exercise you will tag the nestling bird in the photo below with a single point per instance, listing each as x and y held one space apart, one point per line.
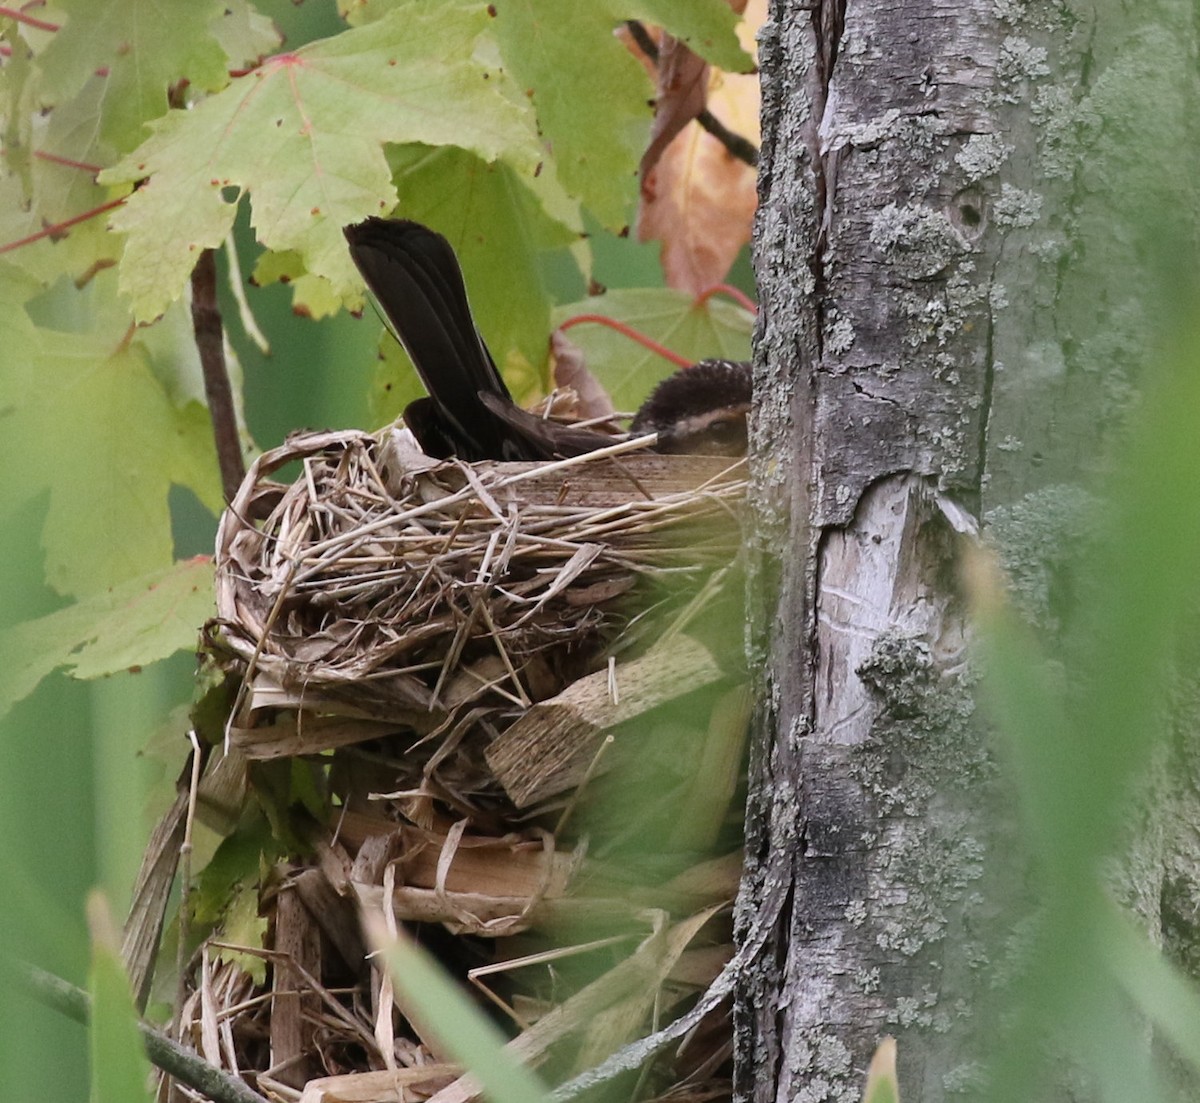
700 410
416 279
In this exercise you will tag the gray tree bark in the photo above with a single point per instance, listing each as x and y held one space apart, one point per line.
953 197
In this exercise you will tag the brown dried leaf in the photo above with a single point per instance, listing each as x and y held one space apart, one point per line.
570 370
293 1006
385 1086
699 199
552 746
682 78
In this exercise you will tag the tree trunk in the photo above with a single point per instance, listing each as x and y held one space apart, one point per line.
952 202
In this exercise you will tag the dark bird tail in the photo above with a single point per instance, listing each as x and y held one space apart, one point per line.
414 275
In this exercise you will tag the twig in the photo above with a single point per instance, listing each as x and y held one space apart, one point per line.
741 148
736 145
210 343
188 1068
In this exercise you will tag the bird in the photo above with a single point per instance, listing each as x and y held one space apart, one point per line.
414 275
700 410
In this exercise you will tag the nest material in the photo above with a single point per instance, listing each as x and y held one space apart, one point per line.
464 618
383 590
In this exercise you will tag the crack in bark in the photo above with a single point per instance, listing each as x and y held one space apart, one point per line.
828 20
989 380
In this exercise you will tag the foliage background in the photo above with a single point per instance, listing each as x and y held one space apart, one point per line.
86 766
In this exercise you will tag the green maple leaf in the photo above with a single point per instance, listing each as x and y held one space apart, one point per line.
90 421
39 188
312 297
243 926
705 26
138 622
304 135
144 46
697 331
62 191
590 93
244 34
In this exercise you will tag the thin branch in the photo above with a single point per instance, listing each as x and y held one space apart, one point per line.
210 342
735 144
187 1067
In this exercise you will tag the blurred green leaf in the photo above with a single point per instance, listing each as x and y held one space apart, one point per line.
143 46
62 191
91 424
120 1071
705 26
1076 764
590 93
244 33
130 625
304 135
1167 999
431 999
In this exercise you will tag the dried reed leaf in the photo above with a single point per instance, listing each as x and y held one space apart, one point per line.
407 1085
298 946
144 923
611 1027
551 747
334 914
379 587
638 974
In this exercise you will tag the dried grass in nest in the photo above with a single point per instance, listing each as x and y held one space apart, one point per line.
381 590
460 618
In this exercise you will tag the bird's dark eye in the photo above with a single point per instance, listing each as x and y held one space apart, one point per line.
720 427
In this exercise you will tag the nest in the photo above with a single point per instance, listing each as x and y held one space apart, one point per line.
445 649
383 591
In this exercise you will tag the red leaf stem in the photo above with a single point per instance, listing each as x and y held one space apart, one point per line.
59 227
28 20
631 333
738 296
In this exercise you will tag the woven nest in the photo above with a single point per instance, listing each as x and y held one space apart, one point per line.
382 590
442 652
